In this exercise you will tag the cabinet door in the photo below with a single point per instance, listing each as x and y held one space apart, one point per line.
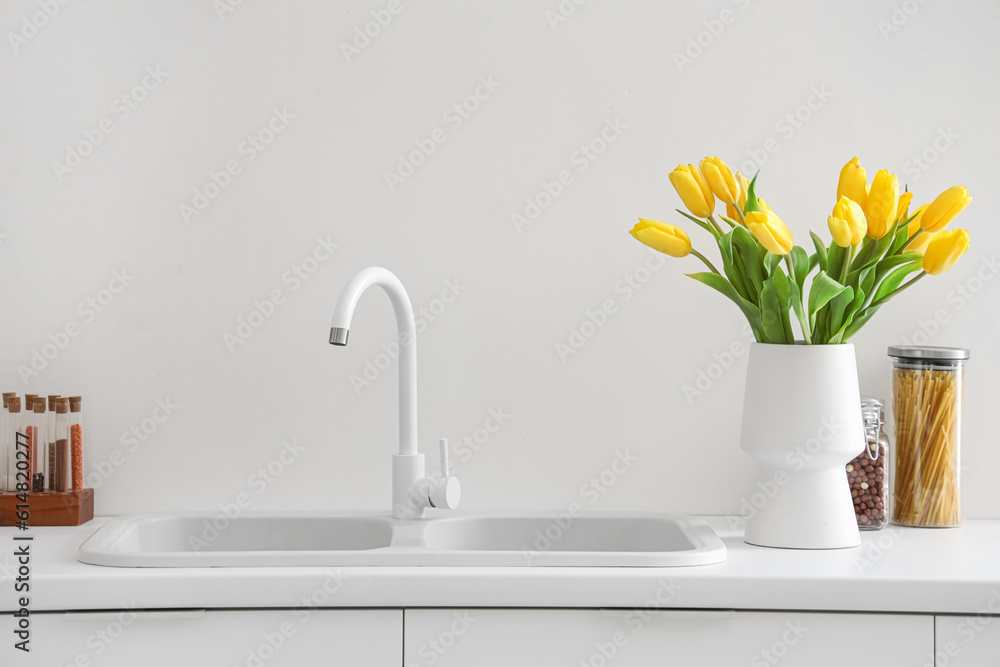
640 638
245 638
969 641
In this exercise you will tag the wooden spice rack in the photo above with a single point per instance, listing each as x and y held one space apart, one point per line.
70 508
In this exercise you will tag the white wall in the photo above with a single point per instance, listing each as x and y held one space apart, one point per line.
887 95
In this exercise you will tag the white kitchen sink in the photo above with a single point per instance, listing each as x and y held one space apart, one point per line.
314 539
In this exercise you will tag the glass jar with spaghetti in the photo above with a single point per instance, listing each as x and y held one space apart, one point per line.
927 387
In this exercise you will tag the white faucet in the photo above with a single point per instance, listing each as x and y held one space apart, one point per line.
412 490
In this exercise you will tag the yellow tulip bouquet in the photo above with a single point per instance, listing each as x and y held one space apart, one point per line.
877 244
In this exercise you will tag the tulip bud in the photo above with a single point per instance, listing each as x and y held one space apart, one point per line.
944 209
850 212
720 179
770 231
944 249
693 189
853 183
840 231
744 184
668 239
902 208
883 197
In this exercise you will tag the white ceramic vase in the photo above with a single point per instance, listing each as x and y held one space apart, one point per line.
802 424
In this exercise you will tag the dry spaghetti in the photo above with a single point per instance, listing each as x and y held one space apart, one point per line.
927 402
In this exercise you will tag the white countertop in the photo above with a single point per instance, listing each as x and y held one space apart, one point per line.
895 570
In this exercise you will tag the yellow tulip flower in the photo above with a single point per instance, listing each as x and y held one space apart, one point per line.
883 197
770 231
944 209
853 182
849 211
668 239
921 242
840 231
903 207
744 184
693 189
720 179
944 249
763 204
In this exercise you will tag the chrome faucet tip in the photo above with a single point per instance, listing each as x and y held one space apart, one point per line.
338 336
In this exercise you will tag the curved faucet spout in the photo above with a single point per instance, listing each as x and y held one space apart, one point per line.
407 332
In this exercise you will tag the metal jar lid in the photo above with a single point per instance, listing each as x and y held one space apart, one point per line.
928 352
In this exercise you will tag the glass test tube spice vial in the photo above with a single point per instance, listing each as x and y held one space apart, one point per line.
6 472
50 443
63 471
28 424
17 465
927 388
76 441
39 445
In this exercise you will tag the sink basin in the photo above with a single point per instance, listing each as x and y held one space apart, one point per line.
288 540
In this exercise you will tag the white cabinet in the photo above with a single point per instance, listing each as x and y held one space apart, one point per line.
640 638
969 641
230 638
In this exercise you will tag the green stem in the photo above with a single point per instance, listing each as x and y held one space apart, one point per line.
908 241
717 226
803 321
716 234
740 214
897 290
705 259
847 265
791 267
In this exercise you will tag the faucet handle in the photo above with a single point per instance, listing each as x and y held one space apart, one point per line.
445 466
445 491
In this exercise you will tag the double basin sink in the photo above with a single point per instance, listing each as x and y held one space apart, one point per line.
324 539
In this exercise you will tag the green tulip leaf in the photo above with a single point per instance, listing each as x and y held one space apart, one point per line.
885 242
894 280
836 257
876 251
698 221
864 253
723 286
838 307
859 321
783 288
883 267
735 268
902 234
770 261
838 336
749 252
820 250
770 312
726 246
823 289
752 203
800 262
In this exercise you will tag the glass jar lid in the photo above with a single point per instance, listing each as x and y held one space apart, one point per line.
928 352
